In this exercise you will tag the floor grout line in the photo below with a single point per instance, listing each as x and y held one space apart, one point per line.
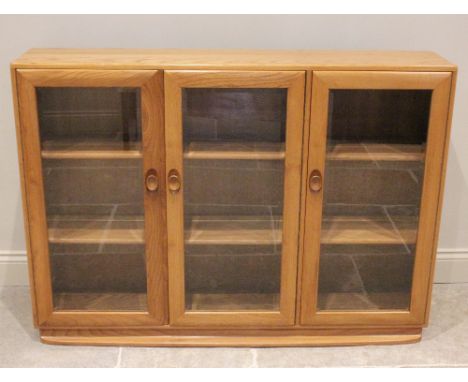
25 352
107 227
119 358
413 176
395 228
431 365
254 358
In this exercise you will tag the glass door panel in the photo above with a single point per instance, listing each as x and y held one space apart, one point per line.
234 143
234 205
374 180
373 175
92 174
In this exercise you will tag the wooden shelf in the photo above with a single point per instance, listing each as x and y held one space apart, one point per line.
233 301
223 230
234 150
233 230
96 230
368 230
230 151
100 301
90 150
129 230
376 152
353 301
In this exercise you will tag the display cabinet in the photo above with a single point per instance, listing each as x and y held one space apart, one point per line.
231 198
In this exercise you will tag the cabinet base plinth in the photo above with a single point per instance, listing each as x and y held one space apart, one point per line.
240 340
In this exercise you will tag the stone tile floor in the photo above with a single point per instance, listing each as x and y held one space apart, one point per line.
444 344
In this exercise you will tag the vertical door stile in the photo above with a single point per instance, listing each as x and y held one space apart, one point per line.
154 156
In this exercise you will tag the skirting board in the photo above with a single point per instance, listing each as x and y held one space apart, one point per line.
451 267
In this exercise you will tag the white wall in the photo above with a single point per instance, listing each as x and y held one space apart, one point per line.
446 35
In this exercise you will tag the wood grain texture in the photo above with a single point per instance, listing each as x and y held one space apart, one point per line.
89 302
443 165
86 234
233 341
234 301
90 150
304 188
237 230
233 230
86 78
154 159
430 199
232 150
249 332
439 83
151 85
34 194
376 152
232 59
99 319
346 230
24 199
175 81
372 301
305 150
313 201
231 337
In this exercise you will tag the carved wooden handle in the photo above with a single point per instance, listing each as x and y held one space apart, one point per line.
315 181
173 181
151 180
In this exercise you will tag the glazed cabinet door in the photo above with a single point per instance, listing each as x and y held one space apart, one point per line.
234 146
375 159
93 159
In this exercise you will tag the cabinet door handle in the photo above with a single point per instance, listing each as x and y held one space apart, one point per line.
173 181
151 180
315 181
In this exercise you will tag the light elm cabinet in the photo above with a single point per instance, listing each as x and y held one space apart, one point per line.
231 198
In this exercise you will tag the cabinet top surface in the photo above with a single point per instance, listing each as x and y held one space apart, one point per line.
231 59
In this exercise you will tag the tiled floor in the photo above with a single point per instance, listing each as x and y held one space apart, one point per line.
445 343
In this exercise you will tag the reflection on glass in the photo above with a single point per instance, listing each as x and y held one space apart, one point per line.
91 141
233 197
373 182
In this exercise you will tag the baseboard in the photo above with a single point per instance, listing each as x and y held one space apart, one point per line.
13 268
451 267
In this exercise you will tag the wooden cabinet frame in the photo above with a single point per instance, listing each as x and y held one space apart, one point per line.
294 82
322 83
151 84
161 75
